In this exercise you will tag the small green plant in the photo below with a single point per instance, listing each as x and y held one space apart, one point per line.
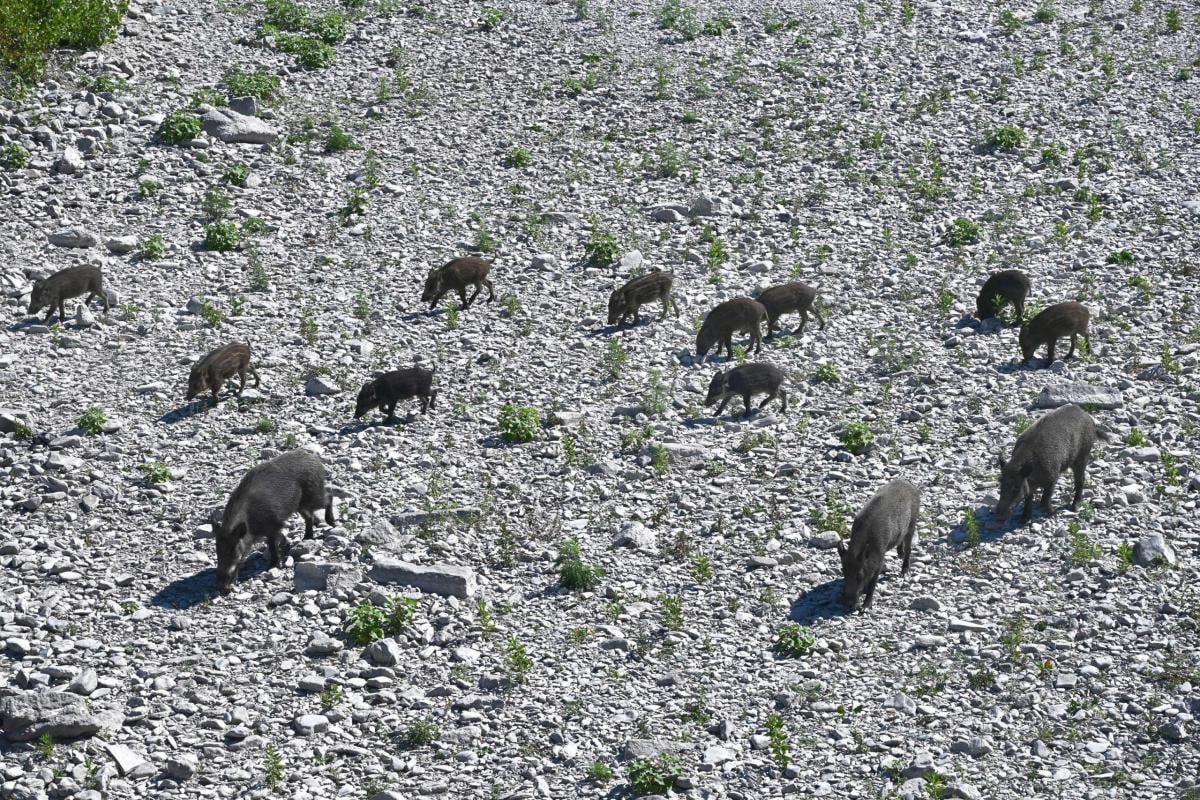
13 156
1083 550
45 746
362 305
337 140
222 237
331 696
179 127
153 247
971 528
492 18
308 326
935 785
856 436
400 612
273 768
777 741
155 472
1174 20
149 187
210 313
265 425
260 84
1010 22
1122 258
216 204
518 661
962 232
1135 438
601 249
518 158
1046 12
1013 638
945 300
615 358
260 281
92 421
793 641
656 399
701 568
310 51
1124 556
420 733
236 174
599 772
1007 138
451 316
573 572
671 609
826 373
365 623
654 775
207 97
519 424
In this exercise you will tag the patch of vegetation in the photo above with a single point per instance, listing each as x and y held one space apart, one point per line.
179 127
260 84
573 572
222 237
13 156
656 399
519 424
153 247
793 640
517 660
826 373
654 775
1007 138
601 249
155 472
92 421
236 174
962 232
856 436
420 733
29 29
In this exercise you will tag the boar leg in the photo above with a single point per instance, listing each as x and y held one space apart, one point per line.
728 345
1027 512
463 303
746 400
216 391
308 522
817 313
424 404
782 400
771 325
276 544
242 377
389 410
1080 469
329 520
721 408
637 316
675 306
870 593
1071 350
906 545
756 338
803 322
769 398
666 301
1050 350
253 372
62 313
491 290
1019 310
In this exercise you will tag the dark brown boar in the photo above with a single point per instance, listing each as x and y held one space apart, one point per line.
1055 322
639 291
387 390
739 315
260 506
889 519
457 275
1060 440
1000 289
64 284
220 365
787 298
745 382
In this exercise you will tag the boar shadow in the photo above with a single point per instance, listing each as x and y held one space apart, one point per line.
191 408
989 530
192 590
818 603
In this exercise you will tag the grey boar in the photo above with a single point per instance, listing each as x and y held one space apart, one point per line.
1055 322
220 365
786 298
1060 440
889 519
639 291
260 506
65 284
387 390
745 382
457 275
1000 289
739 315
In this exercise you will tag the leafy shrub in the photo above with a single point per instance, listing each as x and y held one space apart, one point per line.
519 424
310 51
601 249
1007 138
962 232
13 156
518 157
793 640
492 18
155 472
236 174
216 203
574 573
259 84
657 399
92 421
329 28
148 187
826 373
1123 258
153 247
655 775
856 436
364 624
207 97
31 28
516 658
222 237
179 127
338 141
421 733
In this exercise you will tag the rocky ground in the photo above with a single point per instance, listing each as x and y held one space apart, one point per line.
738 145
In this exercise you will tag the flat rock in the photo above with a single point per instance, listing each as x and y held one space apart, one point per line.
1153 549
318 385
73 236
636 535
125 758
29 715
1081 394
231 127
448 580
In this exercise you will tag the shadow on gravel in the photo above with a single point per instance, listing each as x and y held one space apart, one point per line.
989 530
185 411
820 602
183 593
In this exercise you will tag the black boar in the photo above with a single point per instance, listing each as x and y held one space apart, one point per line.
220 365
1055 322
1001 288
889 519
388 389
260 506
739 315
64 284
786 298
457 275
639 291
745 382
1060 440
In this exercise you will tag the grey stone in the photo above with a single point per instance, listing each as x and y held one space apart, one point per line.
385 653
70 162
716 755
122 244
231 127
73 236
925 603
247 106
309 724
1153 549
710 206
828 540
29 715
125 758
447 580
322 644
901 702
181 766
1081 394
84 683
320 385
320 576
636 535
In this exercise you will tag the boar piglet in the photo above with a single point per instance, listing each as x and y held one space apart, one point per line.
260 506
65 284
220 365
739 315
745 382
889 519
457 275
1060 440
1000 289
637 292
788 298
1052 324
390 388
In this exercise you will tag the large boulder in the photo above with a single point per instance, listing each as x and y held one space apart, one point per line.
447 580
1081 394
231 127
26 716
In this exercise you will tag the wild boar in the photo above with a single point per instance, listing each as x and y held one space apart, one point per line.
260 506
387 390
739 315
889 519
220 365
1060 440
65 284
637 292
786 298
456 275
1000 289
745 382
1053 323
